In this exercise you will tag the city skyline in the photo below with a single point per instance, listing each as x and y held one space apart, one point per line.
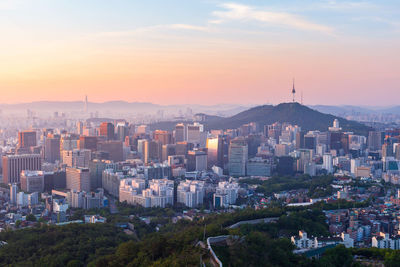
200 52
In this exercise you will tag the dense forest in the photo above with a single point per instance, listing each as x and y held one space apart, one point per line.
173 245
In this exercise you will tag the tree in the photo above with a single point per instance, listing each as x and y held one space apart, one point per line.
338 256
30 217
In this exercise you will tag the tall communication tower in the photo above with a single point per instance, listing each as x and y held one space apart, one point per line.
293 92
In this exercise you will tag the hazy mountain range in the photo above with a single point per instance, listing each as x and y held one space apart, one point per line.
223 109
121 107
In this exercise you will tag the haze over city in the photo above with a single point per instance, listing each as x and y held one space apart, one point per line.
204 133
200 52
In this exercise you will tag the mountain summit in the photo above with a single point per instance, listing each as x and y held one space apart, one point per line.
293 113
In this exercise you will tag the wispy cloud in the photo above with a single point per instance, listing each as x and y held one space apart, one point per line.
343 5
240 12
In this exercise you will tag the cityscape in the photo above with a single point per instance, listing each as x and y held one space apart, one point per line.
165 145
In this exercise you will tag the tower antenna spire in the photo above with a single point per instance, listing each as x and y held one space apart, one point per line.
293 91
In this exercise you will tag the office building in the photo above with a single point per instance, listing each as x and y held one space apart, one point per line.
77 158
215 152
152 151
52 149
113 148
32 181
238 156
88 142
180 132
196 161
168 150
26 139
328 163
107 130
375 140
78 179
14 164
259 167
164 137
122 131
13 193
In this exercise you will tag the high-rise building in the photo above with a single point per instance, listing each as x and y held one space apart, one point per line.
152 151
14 164
79 127
88 142
122 131
238 156
328 163
300 140
113 148
26 139
68 142
182 148
164 137
180 132
77 158
195 134
52 149
168 150
32 181
107 130
13 193
215 151
96 168
78 179
375 140
310 141
196 161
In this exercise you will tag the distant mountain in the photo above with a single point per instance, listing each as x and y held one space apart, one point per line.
294 113
122 107
392 110
342 110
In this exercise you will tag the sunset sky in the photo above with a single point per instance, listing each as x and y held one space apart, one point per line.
203 52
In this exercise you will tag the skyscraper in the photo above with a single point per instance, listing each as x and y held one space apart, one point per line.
52 149
113 148
180 132
300 140
375 140
152 151
122 131
238 155
77 158
88 142
107 130
164 137
215 151
26 139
